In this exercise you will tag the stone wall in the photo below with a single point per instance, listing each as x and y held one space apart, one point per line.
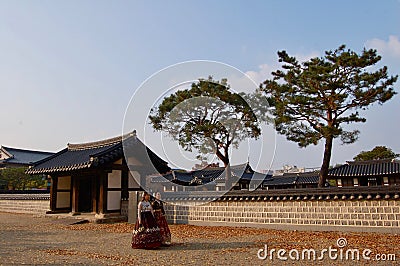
319 210
25 203
370 212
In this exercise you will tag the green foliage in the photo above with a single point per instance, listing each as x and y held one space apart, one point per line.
3 183
208 117
16 179
313 100
377 153
332 182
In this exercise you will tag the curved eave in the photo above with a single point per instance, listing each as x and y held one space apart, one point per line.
361 174
59 169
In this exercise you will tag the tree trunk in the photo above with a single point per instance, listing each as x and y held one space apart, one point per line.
323 174
228 176
227 164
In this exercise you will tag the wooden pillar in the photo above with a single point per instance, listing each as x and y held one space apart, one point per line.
124 184
102 204
95 186
75 194
53 193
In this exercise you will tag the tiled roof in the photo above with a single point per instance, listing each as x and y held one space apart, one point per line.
351 169
293 178
80 156
305 178
243 170
366 168
313 179
280 180
210 174
181 177
23 157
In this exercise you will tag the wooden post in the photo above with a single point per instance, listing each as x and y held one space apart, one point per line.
53 193
75 194
94 194
124 184
102 193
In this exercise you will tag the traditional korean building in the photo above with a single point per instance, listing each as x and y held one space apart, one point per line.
292 180
210 178
353 173
367 173
94 177
13 157
19 158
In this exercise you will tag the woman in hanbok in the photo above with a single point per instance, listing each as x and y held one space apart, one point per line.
146 233
159 214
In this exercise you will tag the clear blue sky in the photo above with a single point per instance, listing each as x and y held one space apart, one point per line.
69 68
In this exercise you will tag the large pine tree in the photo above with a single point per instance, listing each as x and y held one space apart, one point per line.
314 99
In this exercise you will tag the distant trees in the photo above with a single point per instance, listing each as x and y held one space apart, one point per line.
314 99
377 153
15 178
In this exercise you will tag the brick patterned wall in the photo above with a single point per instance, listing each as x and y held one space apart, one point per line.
368 214
124 207
35 204
374 215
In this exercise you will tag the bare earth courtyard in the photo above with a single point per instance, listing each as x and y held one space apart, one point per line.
33 240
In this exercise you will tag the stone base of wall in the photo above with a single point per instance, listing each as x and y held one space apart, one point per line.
124 207
375 215
291 227
34 204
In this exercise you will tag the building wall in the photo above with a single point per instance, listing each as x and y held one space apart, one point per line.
64 192
32 203
114 197
367 215
3 155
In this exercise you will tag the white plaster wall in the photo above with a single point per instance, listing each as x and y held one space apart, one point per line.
133 176
63 200
114 179
64 182
113 200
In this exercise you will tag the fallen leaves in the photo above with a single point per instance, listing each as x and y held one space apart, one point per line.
67 252
49 242
286 239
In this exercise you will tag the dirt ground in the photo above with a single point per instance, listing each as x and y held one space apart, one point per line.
33 240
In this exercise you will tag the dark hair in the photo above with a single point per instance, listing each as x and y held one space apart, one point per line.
144 195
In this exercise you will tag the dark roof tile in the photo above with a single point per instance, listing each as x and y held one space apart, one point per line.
24 157
211 174
366 168
293 179
280 181
79 156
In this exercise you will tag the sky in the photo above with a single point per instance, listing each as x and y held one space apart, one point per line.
69 69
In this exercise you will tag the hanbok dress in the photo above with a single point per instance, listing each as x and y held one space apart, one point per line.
146 233
159 214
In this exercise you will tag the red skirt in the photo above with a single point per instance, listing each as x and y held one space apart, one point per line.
147 236
164 229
